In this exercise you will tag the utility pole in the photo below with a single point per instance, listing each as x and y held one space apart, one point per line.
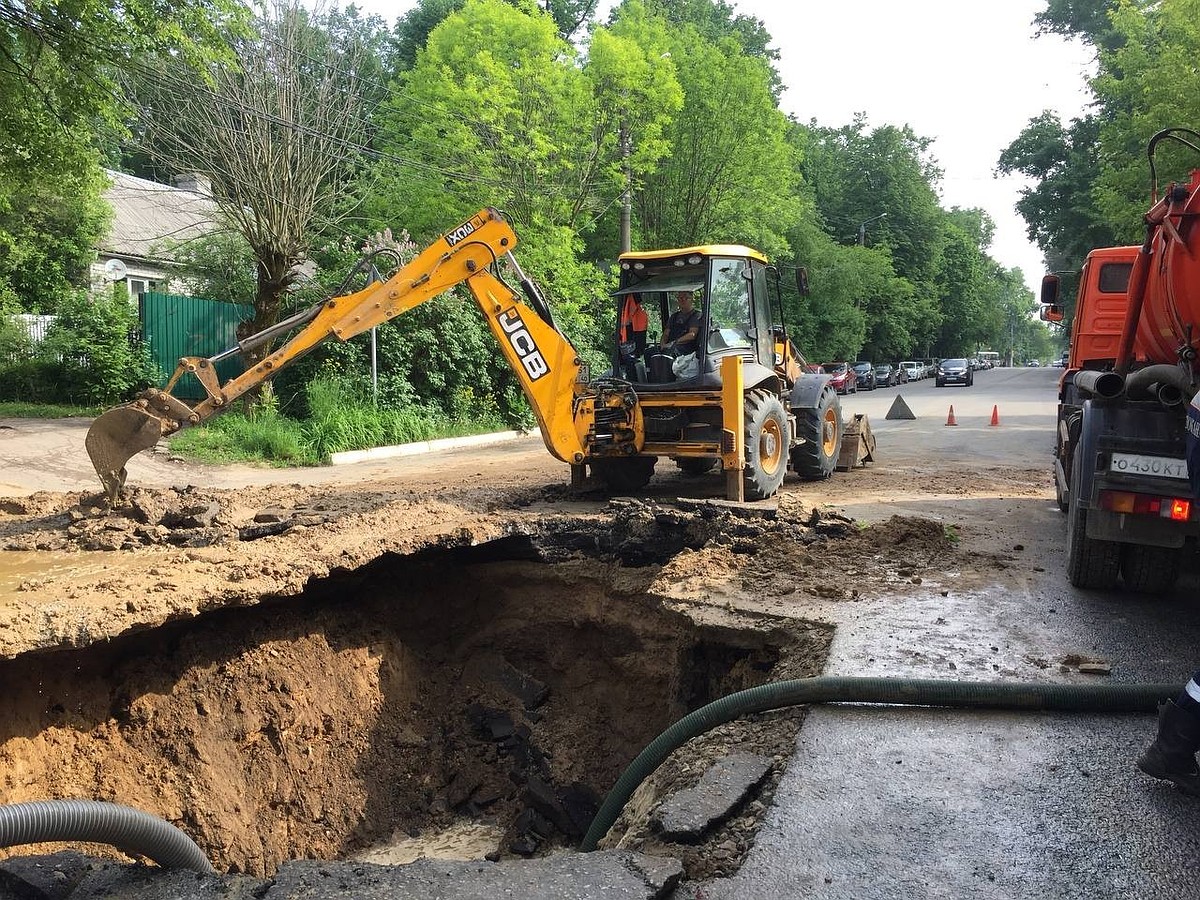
627 194
862 228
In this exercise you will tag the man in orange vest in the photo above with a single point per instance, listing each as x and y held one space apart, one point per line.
631 334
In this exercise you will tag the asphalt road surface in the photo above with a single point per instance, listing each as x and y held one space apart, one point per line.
888 803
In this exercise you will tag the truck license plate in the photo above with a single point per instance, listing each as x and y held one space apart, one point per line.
1138 464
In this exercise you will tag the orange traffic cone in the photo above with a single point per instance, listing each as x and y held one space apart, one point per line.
995 415
950 417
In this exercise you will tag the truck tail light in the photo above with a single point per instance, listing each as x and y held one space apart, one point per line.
1177 509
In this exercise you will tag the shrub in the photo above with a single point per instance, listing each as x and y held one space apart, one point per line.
94 347
14 340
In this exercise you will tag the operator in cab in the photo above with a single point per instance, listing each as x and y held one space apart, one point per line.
683 327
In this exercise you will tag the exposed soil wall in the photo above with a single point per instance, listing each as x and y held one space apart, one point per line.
387 700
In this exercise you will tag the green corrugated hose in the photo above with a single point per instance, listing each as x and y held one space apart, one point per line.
1109 698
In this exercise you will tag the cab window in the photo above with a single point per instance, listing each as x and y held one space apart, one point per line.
729 305
1114 277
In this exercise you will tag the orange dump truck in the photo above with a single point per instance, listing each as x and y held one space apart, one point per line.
1121 468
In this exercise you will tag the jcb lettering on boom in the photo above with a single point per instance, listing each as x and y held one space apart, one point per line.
463 231
522 342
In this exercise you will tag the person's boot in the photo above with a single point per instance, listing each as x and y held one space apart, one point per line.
1172 756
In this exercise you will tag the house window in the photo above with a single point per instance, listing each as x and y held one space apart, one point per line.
138 286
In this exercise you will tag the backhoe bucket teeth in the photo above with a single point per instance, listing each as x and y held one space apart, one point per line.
114 438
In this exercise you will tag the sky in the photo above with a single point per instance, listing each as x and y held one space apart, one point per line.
967 73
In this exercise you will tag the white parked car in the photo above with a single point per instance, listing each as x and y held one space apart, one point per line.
915 370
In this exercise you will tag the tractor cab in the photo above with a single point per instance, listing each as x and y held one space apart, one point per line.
725 285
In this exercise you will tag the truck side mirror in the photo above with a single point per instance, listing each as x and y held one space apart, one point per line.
802 281
1051 310
1050 290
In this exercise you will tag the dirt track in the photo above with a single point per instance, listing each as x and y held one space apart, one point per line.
346 658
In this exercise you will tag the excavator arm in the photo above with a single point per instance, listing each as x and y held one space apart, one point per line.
545 362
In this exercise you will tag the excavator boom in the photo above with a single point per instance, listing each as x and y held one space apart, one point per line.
542 358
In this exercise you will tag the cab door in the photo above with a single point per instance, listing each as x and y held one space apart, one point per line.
730 316
761 304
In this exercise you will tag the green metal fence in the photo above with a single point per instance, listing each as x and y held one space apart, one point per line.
174 325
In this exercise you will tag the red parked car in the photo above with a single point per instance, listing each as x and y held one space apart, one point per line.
841 376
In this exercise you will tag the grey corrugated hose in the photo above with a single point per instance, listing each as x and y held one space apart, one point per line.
1104 698
123 827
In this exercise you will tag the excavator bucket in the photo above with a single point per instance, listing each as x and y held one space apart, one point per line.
114 438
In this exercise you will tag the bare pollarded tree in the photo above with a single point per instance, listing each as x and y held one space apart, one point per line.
278 135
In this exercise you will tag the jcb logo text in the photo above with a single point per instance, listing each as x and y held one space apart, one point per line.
522 342
462 232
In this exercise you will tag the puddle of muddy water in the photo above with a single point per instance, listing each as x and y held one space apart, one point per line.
18 567
410 698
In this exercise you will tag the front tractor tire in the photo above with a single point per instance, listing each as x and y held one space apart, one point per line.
821 429
767 439
624 474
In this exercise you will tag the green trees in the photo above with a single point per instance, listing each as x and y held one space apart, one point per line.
731 176
318 129
59 102
1091 179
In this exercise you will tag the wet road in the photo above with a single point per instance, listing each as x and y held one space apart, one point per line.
887 803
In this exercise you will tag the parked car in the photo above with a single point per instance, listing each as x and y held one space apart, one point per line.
931 367
886 375
954 371
864 376
913 369
841 376
1033 364
974 364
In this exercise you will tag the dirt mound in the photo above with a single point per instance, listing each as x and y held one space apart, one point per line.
181 516
908 534
829 556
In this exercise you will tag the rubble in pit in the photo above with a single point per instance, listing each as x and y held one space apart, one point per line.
647 532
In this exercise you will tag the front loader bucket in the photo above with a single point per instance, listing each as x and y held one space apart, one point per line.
114 438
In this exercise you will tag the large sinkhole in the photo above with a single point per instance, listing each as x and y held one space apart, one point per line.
396 702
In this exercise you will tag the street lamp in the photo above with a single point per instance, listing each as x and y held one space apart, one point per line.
862 228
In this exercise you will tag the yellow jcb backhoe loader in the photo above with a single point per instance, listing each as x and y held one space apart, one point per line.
741 398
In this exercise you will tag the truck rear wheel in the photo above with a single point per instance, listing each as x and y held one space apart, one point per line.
821 429
767 439
1090 563
1149 570
624 475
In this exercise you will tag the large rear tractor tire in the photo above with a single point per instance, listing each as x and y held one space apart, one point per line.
1090 563
767 441
1150 570
624 475
821 429
695 466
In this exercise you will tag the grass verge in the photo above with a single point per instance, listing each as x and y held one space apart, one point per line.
338 420
16 410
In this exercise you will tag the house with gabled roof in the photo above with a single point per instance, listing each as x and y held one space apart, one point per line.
148 219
